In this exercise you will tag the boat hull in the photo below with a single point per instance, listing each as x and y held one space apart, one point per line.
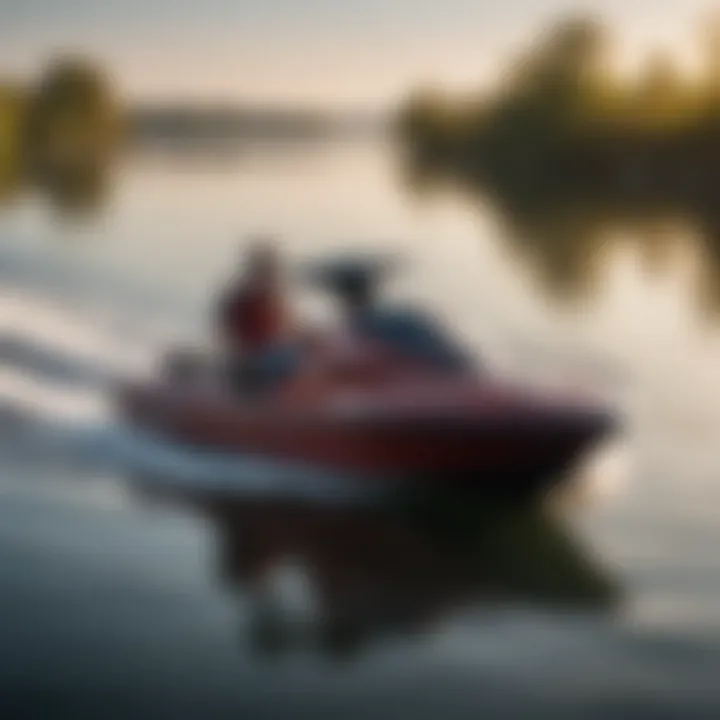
512 450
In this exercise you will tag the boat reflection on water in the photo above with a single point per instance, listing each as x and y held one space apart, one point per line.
359 573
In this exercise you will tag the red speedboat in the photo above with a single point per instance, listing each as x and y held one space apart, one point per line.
369 408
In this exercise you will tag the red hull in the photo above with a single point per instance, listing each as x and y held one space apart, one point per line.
431 427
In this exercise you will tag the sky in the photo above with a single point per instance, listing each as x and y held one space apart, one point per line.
350 53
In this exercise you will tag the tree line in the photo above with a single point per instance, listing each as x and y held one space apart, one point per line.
563 121
60 132
568 151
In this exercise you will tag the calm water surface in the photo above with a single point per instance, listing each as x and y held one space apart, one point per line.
111 606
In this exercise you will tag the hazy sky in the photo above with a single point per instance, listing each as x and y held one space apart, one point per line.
318 51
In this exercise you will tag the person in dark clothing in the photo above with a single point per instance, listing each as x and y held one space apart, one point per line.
254 322
406 330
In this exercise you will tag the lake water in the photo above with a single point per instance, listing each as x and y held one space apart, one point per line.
113 607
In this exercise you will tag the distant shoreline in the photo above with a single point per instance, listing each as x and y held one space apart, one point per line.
188 124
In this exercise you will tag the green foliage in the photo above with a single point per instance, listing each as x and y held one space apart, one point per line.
12 114
571 153
72 116
59 134
11 111
562 108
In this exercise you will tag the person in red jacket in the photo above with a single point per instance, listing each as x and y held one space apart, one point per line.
254 321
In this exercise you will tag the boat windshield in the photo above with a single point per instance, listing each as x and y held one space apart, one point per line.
412 333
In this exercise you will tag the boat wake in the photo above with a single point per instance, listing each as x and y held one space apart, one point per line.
56 379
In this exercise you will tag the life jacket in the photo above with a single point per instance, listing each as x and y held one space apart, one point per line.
253 318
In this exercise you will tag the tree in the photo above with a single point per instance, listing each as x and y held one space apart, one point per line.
73 118
710 39
11 112
564 68
661 98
